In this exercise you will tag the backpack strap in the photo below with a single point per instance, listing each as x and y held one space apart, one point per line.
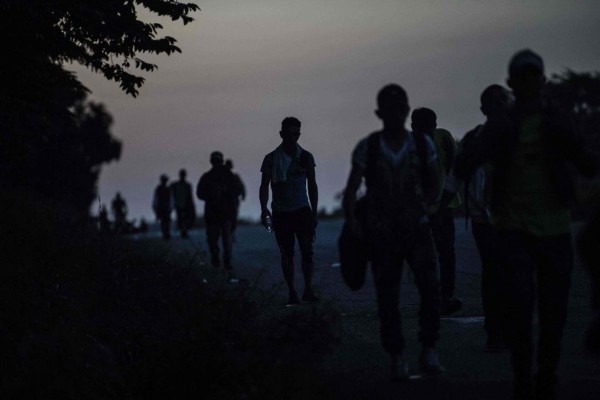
372 154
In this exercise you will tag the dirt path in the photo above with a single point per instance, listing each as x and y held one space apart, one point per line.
358 368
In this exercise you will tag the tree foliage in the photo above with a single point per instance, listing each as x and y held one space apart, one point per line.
106 36
578 94
52 140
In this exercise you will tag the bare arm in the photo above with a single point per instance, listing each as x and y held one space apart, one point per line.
313 190
263 195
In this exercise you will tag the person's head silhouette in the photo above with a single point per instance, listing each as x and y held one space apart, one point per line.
182 174
290 131
216 158
164 179
423 120
495 101
526 75
392 105
229 164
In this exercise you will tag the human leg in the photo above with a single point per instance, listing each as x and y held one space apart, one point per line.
303 228
493 283
284 234
444 236
554 257
165 226
225 228
424 267
387 272
516 255
212 238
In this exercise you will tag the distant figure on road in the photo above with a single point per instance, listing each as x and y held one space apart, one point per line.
400 170
103 222
241 197
530 149
289 169
424 121
219 191
162 204
495 101
184 203
119 210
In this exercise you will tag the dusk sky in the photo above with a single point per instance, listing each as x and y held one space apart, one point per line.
246 64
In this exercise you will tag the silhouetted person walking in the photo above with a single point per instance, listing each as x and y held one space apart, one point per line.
424 121
530 149
241 197
162 204
495 101
219 191
184 203
400 170
103 222
119 210
290 170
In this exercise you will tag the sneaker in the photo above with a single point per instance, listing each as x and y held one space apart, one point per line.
309 296
399 370
450 306
429 362
293 300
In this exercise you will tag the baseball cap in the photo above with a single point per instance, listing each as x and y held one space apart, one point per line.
525 60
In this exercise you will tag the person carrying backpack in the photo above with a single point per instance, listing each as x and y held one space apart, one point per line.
219 191
401 175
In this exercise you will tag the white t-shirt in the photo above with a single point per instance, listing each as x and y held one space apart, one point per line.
359 155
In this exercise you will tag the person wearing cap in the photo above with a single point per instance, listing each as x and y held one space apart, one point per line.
162 204
219 191
424 121
530 149
400 171
184 203
290 171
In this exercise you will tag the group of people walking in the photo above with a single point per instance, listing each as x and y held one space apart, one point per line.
517 191
220 189
512 174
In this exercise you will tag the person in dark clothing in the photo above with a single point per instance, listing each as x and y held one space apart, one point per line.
241 197
184 203
290 170
119 210
219 191
103 222
424 122
530 149
590 252
162 204
400 170
495 101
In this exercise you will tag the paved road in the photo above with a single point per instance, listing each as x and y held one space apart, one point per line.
359 367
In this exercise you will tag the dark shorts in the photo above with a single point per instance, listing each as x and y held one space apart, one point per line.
291 225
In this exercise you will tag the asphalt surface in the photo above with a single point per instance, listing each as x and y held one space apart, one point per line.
359 368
